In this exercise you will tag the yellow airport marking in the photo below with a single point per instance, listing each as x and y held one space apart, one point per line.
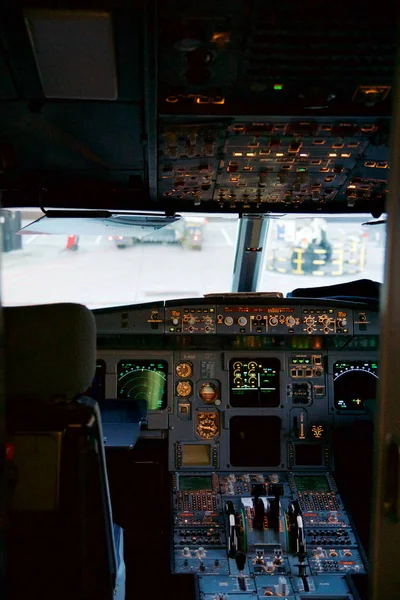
298 261
318 262
319 273
280 270
339 261
319 251
282 259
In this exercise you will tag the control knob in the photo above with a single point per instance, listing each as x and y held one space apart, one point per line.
332 517
319 552
273 321
186 552
208 321
326 321
342 322
192 320
242 321
290 321
310 321
228 321
175 321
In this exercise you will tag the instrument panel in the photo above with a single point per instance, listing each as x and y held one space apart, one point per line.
250 396
243 385
266 316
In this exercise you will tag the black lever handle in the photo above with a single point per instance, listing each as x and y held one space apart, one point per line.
240 560
258 519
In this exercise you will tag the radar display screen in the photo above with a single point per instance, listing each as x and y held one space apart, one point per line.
255 441
195 483
97 389
143 380
354 383
254 382
308 455
312 482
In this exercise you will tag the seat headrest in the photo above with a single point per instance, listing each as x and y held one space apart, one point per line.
50 351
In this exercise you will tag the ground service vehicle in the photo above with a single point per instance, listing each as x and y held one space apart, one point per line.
214 425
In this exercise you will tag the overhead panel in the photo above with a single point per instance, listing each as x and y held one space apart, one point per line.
241 58
275 163
74 53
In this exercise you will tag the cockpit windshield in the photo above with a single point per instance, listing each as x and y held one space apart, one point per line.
195 256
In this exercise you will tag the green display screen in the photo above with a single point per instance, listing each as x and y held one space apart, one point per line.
194 483
313 483
144 380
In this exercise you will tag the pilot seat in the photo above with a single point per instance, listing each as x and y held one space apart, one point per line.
61 539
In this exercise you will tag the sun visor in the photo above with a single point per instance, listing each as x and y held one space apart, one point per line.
74 52
103 223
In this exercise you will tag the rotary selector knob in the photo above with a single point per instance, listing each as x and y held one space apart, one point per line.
273 321
310 321
327 321
208 321
342 322
290 321
175 321
242 321
192 320
228 321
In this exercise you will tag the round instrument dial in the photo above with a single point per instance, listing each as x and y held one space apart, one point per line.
184 388
184 370
207 425
208 392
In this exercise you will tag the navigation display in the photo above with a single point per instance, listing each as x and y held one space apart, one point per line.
354 383
143 380
254 382
255 441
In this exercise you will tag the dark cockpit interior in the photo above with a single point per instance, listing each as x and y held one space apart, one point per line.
200 302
